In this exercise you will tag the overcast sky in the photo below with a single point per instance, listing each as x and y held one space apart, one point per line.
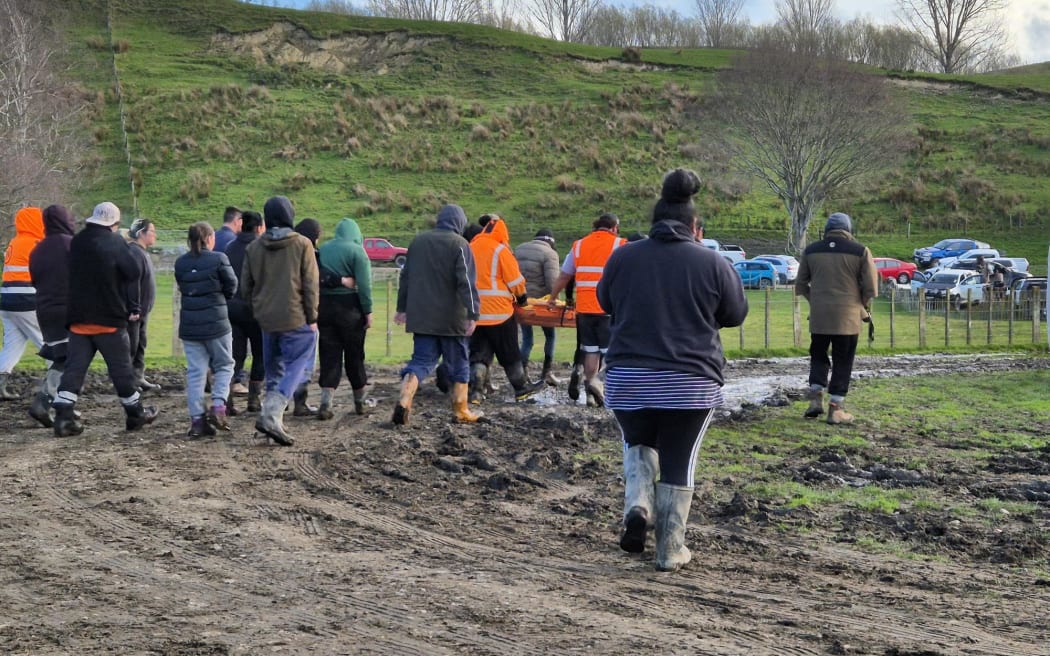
1028 21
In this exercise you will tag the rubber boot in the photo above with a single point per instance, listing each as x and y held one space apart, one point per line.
403 409
478 373
40 409
324 411
641 464
301 407
138 415
595 392
216 417
574 382
488 387
547 375
254 395
441 379
271 418
142 384
359 401
672 514
66 422
199 427
460 406
816 402
837 413
231 411
523 389
6 394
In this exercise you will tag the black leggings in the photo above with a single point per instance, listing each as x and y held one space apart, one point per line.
247 333
675 434
341 341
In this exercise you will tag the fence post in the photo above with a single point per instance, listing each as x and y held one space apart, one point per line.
991 307
922 317
389 329
893 315
947 321
969 315
769 318
796 318
1036 306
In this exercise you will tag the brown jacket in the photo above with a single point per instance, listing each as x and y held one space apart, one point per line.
280 279
837 276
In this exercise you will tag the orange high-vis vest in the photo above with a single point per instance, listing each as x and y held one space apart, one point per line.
499 279
590 254
29 229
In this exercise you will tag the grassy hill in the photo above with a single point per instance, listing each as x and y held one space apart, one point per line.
383 120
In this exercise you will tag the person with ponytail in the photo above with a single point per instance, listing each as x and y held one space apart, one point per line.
206 281
665 363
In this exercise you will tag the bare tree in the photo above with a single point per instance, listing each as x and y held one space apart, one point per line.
449 11
806 23
805 126
717 19
565 20
960 35
40 146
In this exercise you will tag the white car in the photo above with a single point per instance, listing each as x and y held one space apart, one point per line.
730 252
786 266
972 254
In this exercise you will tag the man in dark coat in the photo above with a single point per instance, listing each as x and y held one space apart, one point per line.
246 331
143 234
102 299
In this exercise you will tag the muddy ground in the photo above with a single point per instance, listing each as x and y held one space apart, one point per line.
489 539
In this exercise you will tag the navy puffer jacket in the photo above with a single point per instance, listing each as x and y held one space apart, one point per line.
205 280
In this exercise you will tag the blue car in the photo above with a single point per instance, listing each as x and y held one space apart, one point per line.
928 256
758 274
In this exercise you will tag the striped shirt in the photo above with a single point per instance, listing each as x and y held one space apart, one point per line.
635 388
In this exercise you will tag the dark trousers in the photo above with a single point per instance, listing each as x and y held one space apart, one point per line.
341 341
115 350
137 343
500 340
675 434
245 333
843 349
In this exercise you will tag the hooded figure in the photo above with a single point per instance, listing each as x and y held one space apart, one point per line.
18 296
437 301
280 278
345 315
538 261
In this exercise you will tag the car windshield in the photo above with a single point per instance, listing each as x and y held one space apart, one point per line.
942 243
946 278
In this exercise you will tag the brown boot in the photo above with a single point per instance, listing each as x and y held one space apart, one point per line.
409 385
837 414
460 406
816 403
254 396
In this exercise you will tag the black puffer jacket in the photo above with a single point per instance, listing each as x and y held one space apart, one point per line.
206 280
49 268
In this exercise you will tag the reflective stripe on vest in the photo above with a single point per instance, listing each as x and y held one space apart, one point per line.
496 301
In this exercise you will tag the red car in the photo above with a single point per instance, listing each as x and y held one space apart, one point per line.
381 251
891 269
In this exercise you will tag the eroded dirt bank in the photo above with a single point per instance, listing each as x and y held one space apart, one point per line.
489 539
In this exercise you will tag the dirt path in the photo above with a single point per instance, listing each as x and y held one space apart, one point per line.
444 539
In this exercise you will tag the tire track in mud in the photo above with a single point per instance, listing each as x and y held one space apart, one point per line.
765 608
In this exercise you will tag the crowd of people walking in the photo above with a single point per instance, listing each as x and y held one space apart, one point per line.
271 290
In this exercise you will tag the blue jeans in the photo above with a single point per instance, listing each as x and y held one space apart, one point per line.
427 349
215 354
287 357
527 341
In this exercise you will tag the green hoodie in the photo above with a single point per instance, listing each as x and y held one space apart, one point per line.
344 255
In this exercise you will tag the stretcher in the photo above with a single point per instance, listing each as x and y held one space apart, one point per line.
538 313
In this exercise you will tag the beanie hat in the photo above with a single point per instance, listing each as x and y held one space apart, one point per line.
105 214
279 213
839 221
310 229
545 235
138 227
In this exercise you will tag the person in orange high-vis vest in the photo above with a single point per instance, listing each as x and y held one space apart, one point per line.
584 264
18 296
500 286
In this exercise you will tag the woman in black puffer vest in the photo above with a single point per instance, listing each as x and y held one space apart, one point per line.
206 280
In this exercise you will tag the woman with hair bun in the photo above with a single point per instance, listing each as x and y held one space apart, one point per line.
206 281
665 363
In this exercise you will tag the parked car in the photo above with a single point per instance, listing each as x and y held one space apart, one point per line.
756 273
972 254
730 252
1022 293
930 255
972 291
786 266
946 284
381 251
893 269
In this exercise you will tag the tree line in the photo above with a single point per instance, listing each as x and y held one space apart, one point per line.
946 36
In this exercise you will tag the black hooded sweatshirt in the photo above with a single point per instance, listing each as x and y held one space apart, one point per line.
49 269
668 296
